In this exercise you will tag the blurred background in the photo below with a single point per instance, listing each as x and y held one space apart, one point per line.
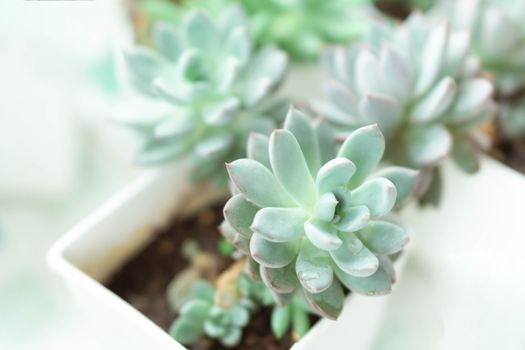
59 157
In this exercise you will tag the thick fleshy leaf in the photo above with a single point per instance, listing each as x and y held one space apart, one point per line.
257 184
387 265
382 110
271 254
241 243
185 331
300 319
353 218
428 145
269 63
322 235
167 40
378 194
145 65
240 316
167 92
191 66
403 178
214 330
328 303
215 146
252 269
353 257
299 125
365 148
433 56
383 237
221 112
280 321
366 73
464 155
279 224
281 299
175 127
255 91
326 138
290 168
472 96
377 284
200 32
228 74
437 101
499 32
325 207
342 98
197 310
457 51
238 44
313 268
282 280
240 213
257 148
395 73
203 290
160 152
337 172
333 113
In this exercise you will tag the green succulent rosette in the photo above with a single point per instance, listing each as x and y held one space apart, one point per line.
210 89
311 219
200 317
419 83
303 27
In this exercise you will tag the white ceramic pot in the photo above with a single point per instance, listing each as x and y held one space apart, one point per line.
88 254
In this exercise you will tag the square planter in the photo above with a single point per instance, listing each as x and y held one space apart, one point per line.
87 255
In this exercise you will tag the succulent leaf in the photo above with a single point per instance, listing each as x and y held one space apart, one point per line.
383 238
279 224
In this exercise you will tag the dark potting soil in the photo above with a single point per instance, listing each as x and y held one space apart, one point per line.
143 280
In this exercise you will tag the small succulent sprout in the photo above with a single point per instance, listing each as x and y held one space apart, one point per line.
210 88
200 317
302 28
418 82
313 218
498 37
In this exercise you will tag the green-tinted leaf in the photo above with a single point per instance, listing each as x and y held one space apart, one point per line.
240 213
214 330
290 168
428 145
404 179
240 316
326 140
196 310
353 257
257 184
238 44
281 280
299 125
378 194
300 320
271 254
437 101
464 155
383 237
215 146
167 40
433 56
145 65
257 148
222 111
382 110
280 321
185 331
325 207
365 148
328 303
337 172
395 73
472 96
322 235
353 218
199 31
313 268
377 284
279 224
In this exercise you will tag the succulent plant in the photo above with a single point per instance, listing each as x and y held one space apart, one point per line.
293 315
498 37
511 118
200 316
418 82
303 27
209 88
310 219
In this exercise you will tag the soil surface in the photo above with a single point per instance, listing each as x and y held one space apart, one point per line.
143 280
